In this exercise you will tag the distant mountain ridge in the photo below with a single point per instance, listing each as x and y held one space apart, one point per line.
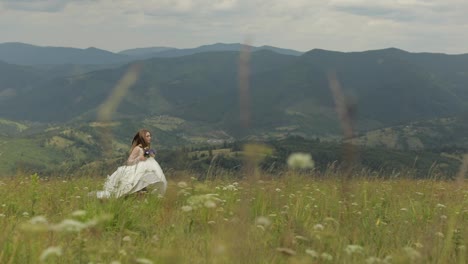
27 54
288 94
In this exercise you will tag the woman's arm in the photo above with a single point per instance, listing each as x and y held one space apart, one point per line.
136 156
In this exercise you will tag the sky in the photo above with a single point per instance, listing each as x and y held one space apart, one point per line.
341 25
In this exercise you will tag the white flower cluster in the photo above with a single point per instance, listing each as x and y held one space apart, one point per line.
40 223
209 200
300 161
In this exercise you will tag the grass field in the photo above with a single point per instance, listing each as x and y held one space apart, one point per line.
292 219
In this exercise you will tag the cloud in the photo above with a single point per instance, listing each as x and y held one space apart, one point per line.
35 5
346 25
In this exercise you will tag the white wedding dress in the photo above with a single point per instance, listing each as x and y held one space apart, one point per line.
135 177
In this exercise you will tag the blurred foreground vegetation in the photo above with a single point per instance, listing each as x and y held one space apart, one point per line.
297 218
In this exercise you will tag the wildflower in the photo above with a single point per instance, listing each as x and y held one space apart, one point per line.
187 208
69 225
2 215
326 256
440 206
418 245
25 214
439 234
300 161
182 184
302 238
38 220
375 260
404 209
312 253
230 187
263 221
57 251
79 213
210 204
211 222
278 190
126 239
443 217
205 200
351 249
286 251
144 261
318 227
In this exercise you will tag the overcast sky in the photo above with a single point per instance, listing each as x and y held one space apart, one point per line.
343 25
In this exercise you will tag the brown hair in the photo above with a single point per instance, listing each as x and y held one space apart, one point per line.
139 139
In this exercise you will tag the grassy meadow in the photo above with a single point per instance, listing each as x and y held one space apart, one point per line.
295 218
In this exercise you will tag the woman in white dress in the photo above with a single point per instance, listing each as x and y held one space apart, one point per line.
142 171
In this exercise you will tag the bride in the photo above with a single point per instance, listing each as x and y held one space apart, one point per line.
142 171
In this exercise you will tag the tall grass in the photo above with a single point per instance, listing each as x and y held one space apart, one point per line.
293 219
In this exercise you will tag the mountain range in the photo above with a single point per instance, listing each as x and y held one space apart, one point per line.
27 54
52 96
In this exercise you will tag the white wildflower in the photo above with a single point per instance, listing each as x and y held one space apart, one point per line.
187 208
69 225
326 256
351 249
440 206
312 253
25 214
79 213
50 251
318 227
300 161
126 239
144 261
301 238
210 204
182 184
262 220
2 215
38 220
230 187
